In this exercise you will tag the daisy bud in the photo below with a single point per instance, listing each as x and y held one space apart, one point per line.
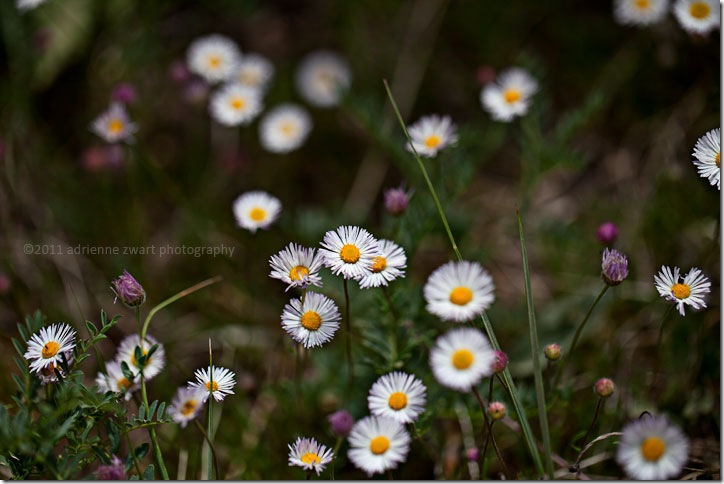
341 422
614 267
604 387
496 410
552 351
124 93
128 290
607 232
501 361
396 200
472 454
113 472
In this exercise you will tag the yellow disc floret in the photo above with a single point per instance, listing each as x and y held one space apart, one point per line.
311 320
461 295
379 264
462 359
349 253
50 349
257 214
298 273
681 291
379 445
511 95
699 10
652 449
212 385
397 401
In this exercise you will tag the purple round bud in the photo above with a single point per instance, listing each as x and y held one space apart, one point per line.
124 93
472 454
496 410
501 361
552 351
341 422
614 267
607 232
604 387
128 290
113 472
396 200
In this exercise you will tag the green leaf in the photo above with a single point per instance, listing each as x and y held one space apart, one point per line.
127 371
141 450
142 412
91 328
152 409
138 356
161 408
148 474
64 428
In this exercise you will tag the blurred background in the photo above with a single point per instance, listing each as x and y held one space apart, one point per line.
608 138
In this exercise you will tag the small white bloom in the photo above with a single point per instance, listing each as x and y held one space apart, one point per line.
221 385
49 346
397 395
24 5
459 291
297 266
690 291
461 358
651 448
256 210
235 104
349 251
284 128
431 134
322 78
707 152
509 96
114 124
312 322
113 380
187 404
213 57
697 16
254 70
127 353
640 12
377 444
388 265
309 455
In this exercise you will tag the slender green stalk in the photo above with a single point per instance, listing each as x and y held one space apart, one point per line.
348 325
593 422
490 436
535 352
210 427
211 446
506 378
133 455
335 452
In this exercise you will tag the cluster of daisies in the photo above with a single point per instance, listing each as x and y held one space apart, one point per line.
695 16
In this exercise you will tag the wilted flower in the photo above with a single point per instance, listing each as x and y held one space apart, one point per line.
128 290
377 444
614 267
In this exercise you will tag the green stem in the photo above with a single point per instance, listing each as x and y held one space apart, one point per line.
348 325
593 422
210 444
506 378
490 437
210 425
133 455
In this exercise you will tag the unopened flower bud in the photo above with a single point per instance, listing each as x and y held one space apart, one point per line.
496 410
552 351
396 200
472 454
128 290
604 387
124 93
614 267
501 361
341 422
607 232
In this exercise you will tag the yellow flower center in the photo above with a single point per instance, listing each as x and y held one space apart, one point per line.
511 95
298 273
310 458
462 359
49 370
115 126
214 61
379 445
311 320
257 214
699 10
717 159
642 4
681 291
133 358
287 129
50 349
461 295
397 401
123 384
237 103
379 265
188 407
432 141
213 385
349 253
653 448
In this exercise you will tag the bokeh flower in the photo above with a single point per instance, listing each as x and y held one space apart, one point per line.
216 380
113 380
341 422
431 134
322 78
256 210
461 358
396 200
459 291
552 351
707 156
689 291
254 70
388 265
697 16
49 346
284 128
607 232
187 404
397 395
349 251
509 96
115 471
297 266
377 444
114 124
640 12
234 104
213 57
309 455
652 448
311 321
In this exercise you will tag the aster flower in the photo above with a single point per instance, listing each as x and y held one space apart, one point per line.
152 365
187 404
296 266
254 70
284 128
49 346
235 104
510 95
614 267
431 134
652 448
322 78
47 374
689 291
397 395
311 322
707 154
256 210
461 358
113 380
459 291
114 125
128 290
221 385
387 266
377 444
309 455
349 251
640 12
697 16
213 57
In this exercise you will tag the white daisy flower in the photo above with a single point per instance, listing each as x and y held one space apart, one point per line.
49 346
349 251
47 373
697 16
254 70
388 265
213 57
652 448
640 12
309 455
510 95
430 134
113 380
297 266
461 358
221 385
707 152
114 125
459 291
312 322
187 404
234 104
690 290
397 395
127 353
377 444
322 78
23 5
284 128
256 210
